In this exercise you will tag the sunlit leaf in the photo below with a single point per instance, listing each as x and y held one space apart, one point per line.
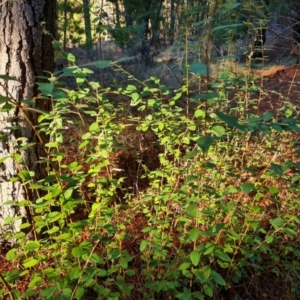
71 57
277 223
11 254
32 245
219 130
269 239
184 266
30 262
199 114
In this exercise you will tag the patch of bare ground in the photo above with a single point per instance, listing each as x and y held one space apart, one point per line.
279 85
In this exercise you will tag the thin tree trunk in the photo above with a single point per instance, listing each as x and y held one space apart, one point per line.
155 22
25 52
172 23
65 24
87 24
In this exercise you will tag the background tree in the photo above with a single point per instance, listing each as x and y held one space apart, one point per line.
25 51
87 24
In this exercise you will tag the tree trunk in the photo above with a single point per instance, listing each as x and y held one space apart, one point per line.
172 23
25 52
87 24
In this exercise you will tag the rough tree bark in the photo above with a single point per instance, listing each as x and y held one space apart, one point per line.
25 52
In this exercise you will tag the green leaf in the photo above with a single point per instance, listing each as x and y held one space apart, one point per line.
135 99
30 262
269 239
219 130
12 276
46 88
144 245
194 234
195 258
222 255
79 292
267 116
75 273
94 127
124 59
231 121
68 194
120 281
130 272
184 266
277 169
199 275
221 27
199 114
7 107
208 290
4 99
32 245
123 262
191 154
96 259
288 113
273 190
11 254
218 278
200 68
6 77
205 142
198 295
277 223
191 126
77 251
71 57
192 210
247 187
210 247
64 236
290 231
102 273
186 295
101 64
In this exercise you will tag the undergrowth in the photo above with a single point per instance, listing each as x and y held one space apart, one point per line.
152 194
